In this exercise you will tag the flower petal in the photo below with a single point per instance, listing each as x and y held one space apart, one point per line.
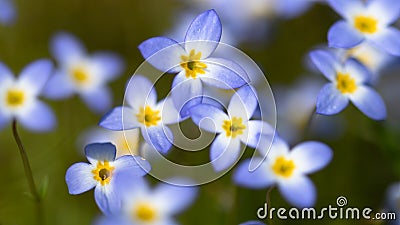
343 35
66 48
204 33
186 93
162 53
346 8
7 12
254 131
326 62
208 117
278 148
112 220
119 118
259 178
135 165
330 101
357 71
4 120
36 74
388 11
58 86
140 92
100 152
311 156
169 114
224 152
243 103
110 65
99 99
223 73
160 137
368 101
254 222
39 117
388 40
5 74
107 198
298 191
79 178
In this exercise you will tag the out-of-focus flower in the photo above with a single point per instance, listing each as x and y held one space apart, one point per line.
349 81
19 97
287 169
253 222
142 205
7 12
142 111
393 202
366 21
126 142
78 72
192 61
234 127
101 173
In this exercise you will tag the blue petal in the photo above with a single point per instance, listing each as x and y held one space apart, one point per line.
66 48
291 8
326 62
311 156
223 73
5 74
163 53
388 40
298 191
358 71
79 178
345 7
113 220
169 114
225 152
58 86
208 117
186 93
243 103
119 118
330 101
99 99
140 92
343 35
135 165
160 137
369 102
36 74
204 33
39 117
111 65
257 179
168 194
7 12
107 198
254 222
100 152
256 128
4 120
387 10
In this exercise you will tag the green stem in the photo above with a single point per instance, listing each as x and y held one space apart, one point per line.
268 198
29 174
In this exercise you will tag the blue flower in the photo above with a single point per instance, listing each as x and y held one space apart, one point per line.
101 173
78 72
142 111
233 127
349 81
143 205
7 12
286 169
192 61
253 222
19 97
366 21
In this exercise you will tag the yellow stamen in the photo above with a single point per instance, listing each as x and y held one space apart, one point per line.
148 116
15 97
144 212
192 64
103 172
283 167
80 75
233 127
366 24
345 84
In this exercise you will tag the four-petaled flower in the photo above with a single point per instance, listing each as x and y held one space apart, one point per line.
19 97
81 73
366 21
102 173
142 205
142 110
287 169
191 60
233 127
349 81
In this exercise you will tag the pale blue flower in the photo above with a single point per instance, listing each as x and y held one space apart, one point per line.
253 222
8 12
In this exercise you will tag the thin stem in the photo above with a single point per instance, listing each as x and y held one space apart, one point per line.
29 174
268 198
308 125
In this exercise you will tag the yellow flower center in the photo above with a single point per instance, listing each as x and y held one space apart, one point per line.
148 116
15 98
366 24
233 127
80 75
103 172
192 64
283 167
345 84
144 212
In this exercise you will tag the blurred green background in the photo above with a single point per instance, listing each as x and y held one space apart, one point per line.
366 157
